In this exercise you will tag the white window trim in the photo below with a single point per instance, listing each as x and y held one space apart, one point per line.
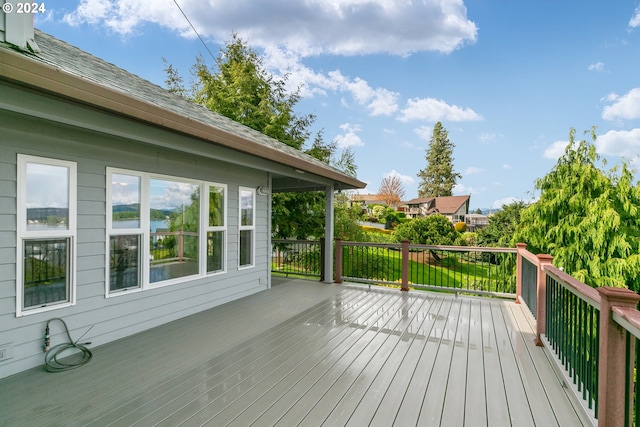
204 216
251 227
146 284
125 231
23 233
144 230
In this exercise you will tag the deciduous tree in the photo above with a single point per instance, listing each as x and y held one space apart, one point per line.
587 218
438 178
391 190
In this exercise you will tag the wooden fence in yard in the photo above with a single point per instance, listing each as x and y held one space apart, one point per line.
592 334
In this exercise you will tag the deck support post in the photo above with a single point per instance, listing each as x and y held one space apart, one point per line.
405 266
328 234
541 298
612 366
519 247
338 277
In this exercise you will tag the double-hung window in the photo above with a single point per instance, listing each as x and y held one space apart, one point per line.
124 231
216 228
247 227
46 230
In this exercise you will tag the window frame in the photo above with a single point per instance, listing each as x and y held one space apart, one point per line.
139 231
145 229
215 228
23 233
251 227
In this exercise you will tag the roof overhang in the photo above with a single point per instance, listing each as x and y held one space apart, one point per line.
18 69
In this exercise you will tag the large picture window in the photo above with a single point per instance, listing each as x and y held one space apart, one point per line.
174 210
161 229
46 201
247 221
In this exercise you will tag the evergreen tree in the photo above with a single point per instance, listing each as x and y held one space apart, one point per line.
438 178
502 225
587 219
239 87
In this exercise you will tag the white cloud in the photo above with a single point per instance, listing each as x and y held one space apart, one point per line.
598 67
434 110
497 204
343 27
624 107
472 170
506 166
424 132
350 137
488 137
405 179
555 150
635 19
378 101
620 143
461 190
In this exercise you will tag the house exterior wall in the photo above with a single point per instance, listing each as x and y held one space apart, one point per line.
115 317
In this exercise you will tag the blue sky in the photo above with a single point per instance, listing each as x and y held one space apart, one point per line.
508 79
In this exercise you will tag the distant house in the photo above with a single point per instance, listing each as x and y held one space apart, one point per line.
453 207
366 201
476 221
122 205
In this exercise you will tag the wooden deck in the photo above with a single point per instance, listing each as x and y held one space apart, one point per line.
305 353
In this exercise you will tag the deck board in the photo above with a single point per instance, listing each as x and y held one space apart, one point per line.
305 353
475 407
495 391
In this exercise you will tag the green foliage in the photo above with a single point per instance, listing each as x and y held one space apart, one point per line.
239 87
502 224
470 238
379 211
298 215
460 227
347 220
431 230
587 218
438 178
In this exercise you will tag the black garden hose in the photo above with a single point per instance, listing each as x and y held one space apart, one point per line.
54 359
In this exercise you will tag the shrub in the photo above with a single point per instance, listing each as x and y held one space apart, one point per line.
432 230
370 229
470 238
460 227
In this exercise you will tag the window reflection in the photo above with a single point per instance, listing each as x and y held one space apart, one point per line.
47 197
246 206
125 201
174 213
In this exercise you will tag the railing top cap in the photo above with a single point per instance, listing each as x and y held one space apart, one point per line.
618 294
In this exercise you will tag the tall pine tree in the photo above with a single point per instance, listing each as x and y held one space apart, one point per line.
438 178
